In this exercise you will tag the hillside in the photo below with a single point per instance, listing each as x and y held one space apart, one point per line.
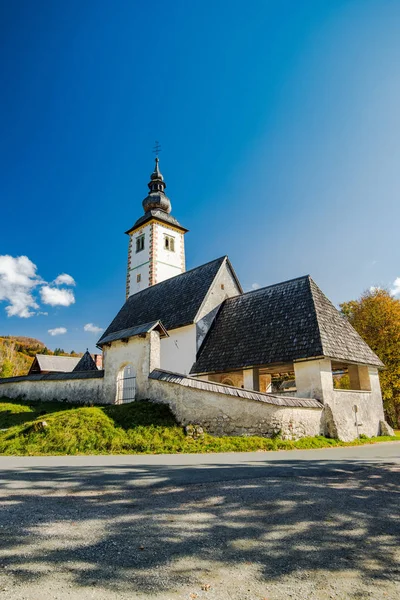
39 428
17 354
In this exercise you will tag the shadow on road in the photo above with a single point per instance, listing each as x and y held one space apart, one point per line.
126 523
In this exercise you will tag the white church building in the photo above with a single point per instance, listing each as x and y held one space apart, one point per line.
264 362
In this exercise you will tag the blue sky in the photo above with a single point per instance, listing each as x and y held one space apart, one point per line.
279 123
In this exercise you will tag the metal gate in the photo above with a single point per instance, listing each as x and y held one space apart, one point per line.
126 385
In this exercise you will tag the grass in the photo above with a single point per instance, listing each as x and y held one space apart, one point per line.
136 428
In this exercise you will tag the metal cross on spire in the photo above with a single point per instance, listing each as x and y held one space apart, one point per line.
157 148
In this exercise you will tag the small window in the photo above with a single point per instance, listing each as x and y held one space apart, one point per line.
222 286
138 278
169 243
140 243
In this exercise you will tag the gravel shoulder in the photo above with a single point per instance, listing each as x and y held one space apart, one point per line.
305 524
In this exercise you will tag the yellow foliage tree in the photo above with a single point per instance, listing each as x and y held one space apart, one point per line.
376 317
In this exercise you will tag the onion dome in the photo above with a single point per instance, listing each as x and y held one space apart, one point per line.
157 200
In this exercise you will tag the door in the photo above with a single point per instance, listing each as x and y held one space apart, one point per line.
126 385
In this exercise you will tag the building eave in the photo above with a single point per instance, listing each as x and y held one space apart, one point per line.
152 219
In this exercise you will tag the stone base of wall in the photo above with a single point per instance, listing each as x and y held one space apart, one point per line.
221 414
286 428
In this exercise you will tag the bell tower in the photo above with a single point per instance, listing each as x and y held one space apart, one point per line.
156 248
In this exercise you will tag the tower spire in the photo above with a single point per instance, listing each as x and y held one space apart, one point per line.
157 200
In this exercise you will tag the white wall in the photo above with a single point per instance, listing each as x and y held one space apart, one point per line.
369 405
167 263
178 352
221 414
142 353
80 391
314 380
154 257
138 262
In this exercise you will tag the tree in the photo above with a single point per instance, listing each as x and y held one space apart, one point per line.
376 317
7 369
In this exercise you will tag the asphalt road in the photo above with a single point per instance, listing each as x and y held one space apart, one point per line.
315 524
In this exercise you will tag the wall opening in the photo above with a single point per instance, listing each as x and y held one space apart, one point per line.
350 377
126 385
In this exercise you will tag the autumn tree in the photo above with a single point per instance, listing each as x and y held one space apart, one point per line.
376 317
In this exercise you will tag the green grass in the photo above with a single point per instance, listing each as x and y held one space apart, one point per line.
136 428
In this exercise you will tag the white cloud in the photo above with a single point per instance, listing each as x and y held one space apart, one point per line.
57 331
64 279
395 291
255 286
18 287
56 297
92 328
374 288
18 277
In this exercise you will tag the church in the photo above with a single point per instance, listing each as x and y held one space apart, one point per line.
279 360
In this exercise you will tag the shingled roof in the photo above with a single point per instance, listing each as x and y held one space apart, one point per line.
86 363
158 215
53 364
175 302
124 334
281 323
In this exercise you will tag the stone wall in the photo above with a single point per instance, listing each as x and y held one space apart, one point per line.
222 414
80 391
314 379
369 409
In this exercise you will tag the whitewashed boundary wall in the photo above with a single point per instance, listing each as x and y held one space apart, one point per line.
81 388
225 410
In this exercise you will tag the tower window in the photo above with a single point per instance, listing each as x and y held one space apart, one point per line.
138 278
169 243
140 243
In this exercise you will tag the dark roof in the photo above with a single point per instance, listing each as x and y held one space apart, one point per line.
228 390
47 362
54 376
133 331
160 215
339 339
281 323
86 363
175 301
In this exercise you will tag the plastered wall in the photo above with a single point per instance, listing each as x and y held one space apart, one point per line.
84 391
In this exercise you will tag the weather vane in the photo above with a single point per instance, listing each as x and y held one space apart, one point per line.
157 148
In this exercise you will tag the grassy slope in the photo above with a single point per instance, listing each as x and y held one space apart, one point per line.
134 428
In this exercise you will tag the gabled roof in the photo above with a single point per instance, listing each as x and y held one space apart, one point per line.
159 215
86 363
125 334
281 323
48 363
175 302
